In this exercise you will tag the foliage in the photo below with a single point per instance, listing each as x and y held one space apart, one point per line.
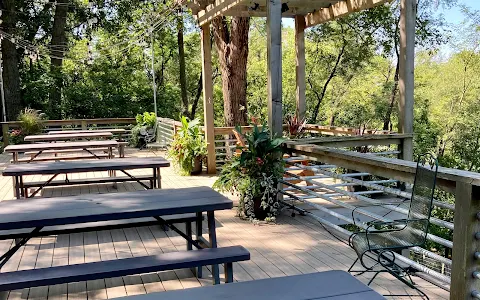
254 174
188 144
295 126
31 123
145 122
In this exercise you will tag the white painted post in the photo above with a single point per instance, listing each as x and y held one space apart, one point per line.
274 65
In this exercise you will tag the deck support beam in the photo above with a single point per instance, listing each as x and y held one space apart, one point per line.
208 97
406 74
274 65
300 65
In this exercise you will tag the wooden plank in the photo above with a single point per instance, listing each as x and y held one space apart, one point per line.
467 224
60 146
340 9
63 167
406 73
300 66
123 267
331 285
274 66
208 97
67 137
73 131
211 11
93 208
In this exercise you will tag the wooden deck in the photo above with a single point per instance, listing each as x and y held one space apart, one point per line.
292 246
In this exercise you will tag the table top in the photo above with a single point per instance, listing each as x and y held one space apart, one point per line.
72 131
331 285
31 213
60 146
66 137
56 167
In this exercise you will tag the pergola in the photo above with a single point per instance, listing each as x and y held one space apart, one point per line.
307 13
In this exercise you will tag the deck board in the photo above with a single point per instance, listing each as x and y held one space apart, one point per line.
293 246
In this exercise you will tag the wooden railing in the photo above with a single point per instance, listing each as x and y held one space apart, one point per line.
81 124
465 186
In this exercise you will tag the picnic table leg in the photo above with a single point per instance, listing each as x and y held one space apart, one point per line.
212 235
16 184
159 179
15 157
198 235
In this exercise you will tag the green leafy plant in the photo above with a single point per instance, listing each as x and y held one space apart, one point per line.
31 122
188 146
254 174
145 122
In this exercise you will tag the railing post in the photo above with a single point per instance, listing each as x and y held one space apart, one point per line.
84 125
466 242
6 134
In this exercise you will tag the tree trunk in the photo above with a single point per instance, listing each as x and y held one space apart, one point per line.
388 116
11 74
197 97
181 57
232 46
325 86
59 37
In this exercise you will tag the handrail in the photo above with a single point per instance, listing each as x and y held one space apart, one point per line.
464 185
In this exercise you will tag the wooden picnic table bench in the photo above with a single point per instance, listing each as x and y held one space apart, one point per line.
67 137
331 285
31 217
18 171
40 148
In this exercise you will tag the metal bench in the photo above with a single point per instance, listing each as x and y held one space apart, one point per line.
124 267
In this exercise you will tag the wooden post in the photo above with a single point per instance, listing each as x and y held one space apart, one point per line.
5 133
274 65
465 243
300 65
406 75
208 98
84 125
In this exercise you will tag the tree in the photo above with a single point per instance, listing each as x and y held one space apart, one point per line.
231 40
11 73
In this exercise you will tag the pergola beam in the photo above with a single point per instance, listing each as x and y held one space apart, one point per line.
340 9
300 66
213 10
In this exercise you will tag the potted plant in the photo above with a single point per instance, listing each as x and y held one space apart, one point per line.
31 123
144 129
254 173
188 149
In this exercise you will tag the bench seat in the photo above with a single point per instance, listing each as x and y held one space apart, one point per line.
31 153
124 267
97 180
56 158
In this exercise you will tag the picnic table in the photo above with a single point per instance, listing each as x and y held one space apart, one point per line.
67 137
116 131
22 220
331 285
81 146
55 168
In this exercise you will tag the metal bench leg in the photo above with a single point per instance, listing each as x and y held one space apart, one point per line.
228 272
212 235
188 232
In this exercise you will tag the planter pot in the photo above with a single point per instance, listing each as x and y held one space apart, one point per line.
197 166
259 212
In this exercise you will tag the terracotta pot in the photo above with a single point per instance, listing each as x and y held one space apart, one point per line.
197 166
